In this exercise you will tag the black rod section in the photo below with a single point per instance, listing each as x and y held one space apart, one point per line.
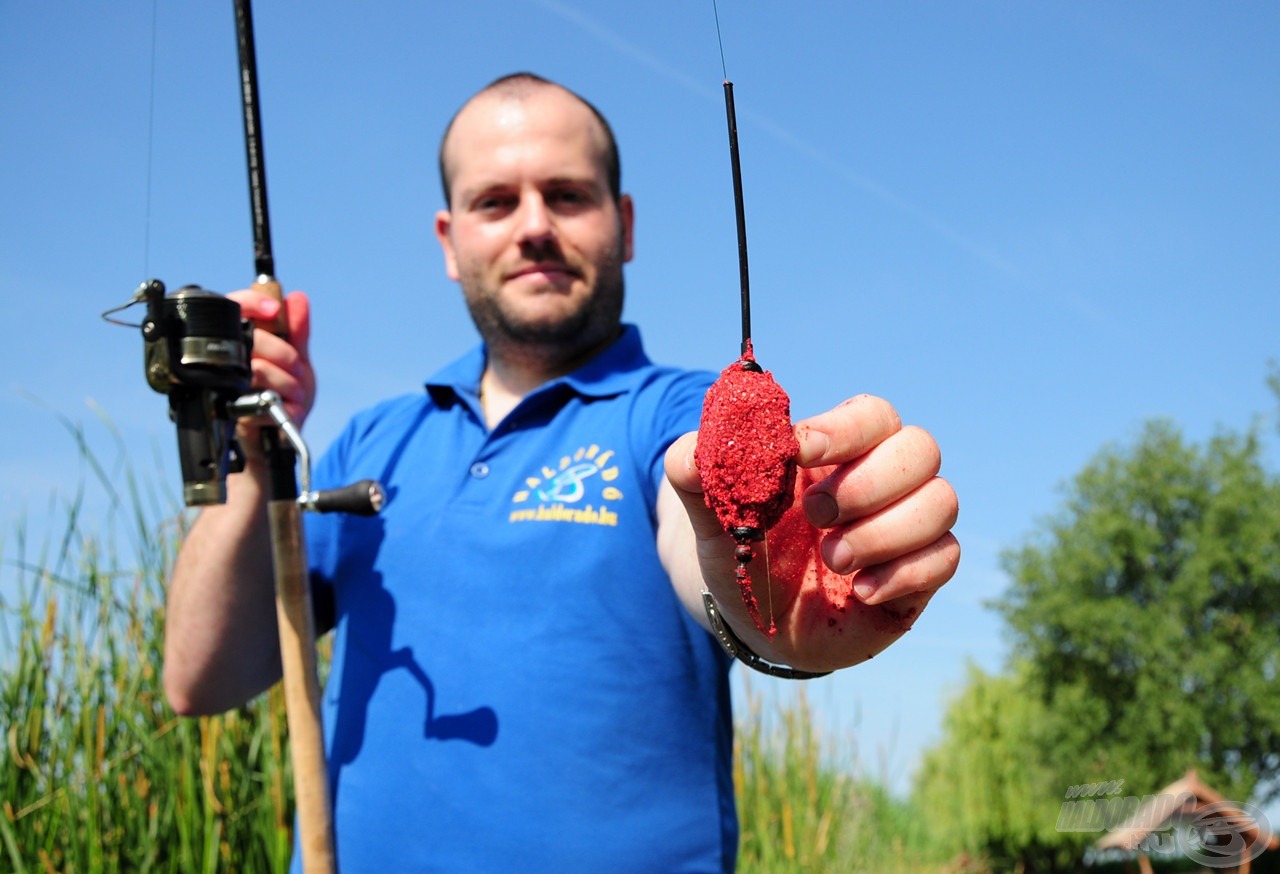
282 463
263 261
740 209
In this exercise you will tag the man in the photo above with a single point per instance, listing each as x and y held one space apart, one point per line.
522 675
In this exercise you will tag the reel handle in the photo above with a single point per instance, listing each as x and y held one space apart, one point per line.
363 498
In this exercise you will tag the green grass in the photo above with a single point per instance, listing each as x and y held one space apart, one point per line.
97 773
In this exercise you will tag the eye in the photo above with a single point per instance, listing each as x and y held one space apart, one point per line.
569 198
492 203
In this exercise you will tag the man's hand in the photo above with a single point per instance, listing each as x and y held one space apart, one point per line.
857 557
284 366
221 642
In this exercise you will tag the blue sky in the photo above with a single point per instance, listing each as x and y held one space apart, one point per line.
1031 226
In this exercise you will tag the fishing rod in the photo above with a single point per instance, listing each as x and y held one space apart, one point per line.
263 260
294 615
197 351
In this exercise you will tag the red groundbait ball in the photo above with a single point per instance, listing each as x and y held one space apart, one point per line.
746 459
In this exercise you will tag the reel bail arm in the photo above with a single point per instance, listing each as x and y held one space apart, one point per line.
363 498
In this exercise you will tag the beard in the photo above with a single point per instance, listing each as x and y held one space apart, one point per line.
552 334
504 324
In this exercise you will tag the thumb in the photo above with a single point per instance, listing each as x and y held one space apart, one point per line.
298 315
682 473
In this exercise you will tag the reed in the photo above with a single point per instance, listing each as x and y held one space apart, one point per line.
97 773
802 805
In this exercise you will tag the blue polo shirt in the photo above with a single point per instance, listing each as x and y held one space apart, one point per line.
515 685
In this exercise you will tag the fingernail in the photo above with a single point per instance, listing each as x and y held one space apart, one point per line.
841 558
865 586
269 308
821 509
813 445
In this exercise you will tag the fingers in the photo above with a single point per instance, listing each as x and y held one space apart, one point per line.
903 527
922 571
846 432
883 500
265 310
283 366
298 318
899 465
284 374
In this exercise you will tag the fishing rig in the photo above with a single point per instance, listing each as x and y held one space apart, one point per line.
745 535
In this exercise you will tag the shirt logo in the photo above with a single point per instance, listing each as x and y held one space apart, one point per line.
559 490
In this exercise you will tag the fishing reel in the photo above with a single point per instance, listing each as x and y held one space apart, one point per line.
196 351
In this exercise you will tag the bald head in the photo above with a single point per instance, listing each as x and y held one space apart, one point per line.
519 88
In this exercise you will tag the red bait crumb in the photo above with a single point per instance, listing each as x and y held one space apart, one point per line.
746 458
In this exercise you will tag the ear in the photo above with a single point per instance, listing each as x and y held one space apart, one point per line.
627 215
444 224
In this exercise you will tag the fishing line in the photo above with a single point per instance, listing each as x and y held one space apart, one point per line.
768 584
151 141
739 208
719 39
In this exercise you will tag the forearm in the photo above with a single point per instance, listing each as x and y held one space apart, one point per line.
221 644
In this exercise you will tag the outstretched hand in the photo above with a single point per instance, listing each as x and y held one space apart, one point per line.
860 553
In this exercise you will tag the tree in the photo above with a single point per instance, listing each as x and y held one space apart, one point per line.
987 789
1148 612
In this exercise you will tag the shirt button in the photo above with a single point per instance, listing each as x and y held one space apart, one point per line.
479 470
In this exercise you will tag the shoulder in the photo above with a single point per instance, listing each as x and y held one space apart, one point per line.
661 391
624 370
390 411
385 420
681 378
665 403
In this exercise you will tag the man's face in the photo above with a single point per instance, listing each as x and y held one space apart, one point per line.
532 233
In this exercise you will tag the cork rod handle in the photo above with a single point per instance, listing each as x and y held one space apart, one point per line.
301 687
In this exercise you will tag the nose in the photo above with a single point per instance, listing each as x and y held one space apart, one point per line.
536 223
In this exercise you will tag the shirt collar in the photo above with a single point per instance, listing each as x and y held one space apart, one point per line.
613 371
